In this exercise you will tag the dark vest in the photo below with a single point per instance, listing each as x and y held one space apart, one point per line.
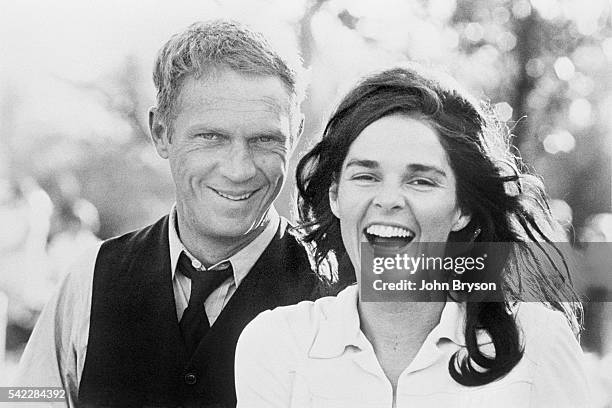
135 353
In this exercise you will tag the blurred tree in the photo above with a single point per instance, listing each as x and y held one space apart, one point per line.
119 174
306 40
9 106
542 64
121 94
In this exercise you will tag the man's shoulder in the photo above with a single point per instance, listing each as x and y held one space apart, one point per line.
292 252
138 235
74 293
143 248
286 231
80 272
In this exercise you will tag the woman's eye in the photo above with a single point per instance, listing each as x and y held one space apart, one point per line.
422 182
364 177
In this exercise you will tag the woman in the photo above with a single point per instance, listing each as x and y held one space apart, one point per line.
407 159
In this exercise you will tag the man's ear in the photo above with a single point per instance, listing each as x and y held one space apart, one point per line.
298 132
159 133
300 128
462 221
333 199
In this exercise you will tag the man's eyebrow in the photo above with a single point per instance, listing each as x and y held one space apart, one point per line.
207 129
276 134
425 168
370 164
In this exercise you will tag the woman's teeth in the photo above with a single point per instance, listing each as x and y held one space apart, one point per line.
388 231
386 236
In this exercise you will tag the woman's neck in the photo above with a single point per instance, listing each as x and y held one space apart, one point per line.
397 331
399 321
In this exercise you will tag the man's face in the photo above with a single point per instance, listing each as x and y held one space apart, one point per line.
228 152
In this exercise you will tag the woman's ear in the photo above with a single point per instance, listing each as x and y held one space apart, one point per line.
333 198
462 221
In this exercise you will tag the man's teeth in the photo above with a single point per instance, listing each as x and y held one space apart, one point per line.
235 198
388 231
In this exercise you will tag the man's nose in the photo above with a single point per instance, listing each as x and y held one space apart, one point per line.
389 197
239 165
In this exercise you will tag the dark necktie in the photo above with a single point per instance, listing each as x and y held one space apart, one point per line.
194 323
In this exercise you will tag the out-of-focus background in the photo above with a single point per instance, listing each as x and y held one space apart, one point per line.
76 163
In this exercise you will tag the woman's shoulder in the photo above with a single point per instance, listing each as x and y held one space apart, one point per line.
557 361
538 321
297 324
545 331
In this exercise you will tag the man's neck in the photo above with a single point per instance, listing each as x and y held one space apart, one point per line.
211 250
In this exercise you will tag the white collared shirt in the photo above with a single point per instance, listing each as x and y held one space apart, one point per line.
314 354
242 262
55 354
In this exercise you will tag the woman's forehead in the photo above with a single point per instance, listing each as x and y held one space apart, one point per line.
399 140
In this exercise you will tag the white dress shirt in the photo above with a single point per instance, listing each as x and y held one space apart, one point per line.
314 354
55 354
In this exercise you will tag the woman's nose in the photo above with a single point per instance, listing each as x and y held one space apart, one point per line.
389 197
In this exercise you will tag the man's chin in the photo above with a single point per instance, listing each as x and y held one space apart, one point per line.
230 229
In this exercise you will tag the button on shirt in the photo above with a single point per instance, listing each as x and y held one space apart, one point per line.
55 354
314 354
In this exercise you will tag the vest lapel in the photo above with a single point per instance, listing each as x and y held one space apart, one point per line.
260 290
160 340
135 353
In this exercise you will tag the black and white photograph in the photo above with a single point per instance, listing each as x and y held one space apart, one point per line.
306 203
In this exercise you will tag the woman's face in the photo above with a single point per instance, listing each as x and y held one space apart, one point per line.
396 188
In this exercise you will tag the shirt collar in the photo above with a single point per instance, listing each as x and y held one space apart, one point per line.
340 326
242 261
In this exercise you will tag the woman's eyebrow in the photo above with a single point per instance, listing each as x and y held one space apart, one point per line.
370 164
425 168
414 167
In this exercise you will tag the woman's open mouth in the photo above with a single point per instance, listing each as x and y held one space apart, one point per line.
388 237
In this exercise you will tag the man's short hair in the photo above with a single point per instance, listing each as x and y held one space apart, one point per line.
219 44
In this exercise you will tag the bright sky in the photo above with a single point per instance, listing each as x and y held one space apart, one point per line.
44 41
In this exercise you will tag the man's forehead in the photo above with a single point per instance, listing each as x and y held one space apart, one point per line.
230 90
226 103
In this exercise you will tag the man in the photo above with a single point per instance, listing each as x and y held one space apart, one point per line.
128 327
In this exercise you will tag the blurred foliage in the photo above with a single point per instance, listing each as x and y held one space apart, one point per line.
119 173
544 65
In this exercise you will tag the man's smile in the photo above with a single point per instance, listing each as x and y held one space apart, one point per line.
235 195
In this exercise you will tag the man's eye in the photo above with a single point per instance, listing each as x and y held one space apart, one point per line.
265 139
209 136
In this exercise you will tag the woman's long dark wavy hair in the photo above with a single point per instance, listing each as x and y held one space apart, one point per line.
505 202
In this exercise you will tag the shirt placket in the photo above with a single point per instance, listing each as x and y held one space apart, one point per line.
365 358
409 381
